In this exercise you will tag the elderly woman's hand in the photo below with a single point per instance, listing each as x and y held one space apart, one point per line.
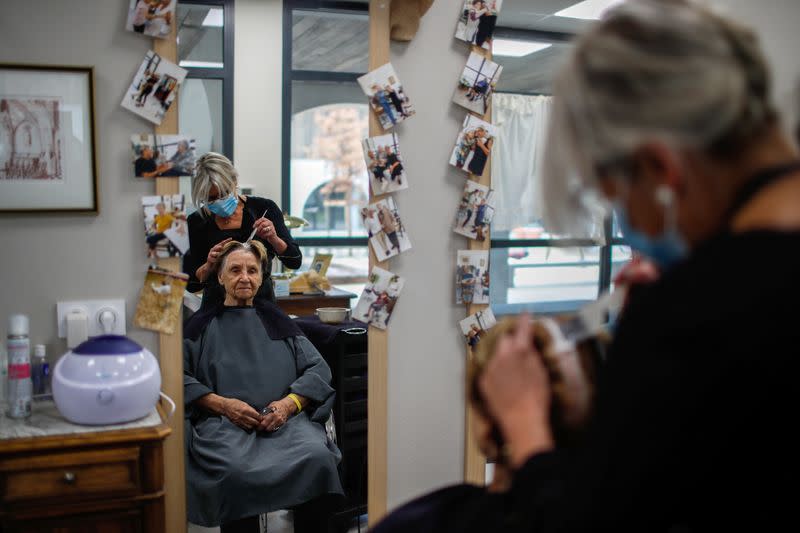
276 416
240 413
516 388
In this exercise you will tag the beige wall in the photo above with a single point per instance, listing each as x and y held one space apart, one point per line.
47 258
258 93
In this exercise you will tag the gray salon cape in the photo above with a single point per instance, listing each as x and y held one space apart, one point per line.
230 473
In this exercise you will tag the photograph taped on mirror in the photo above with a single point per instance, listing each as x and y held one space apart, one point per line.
477 22
154 87
475 211
473 146
376 304
475 326
477 83
153 18
472 277
166 230
162 155
384 164
386 232
386 96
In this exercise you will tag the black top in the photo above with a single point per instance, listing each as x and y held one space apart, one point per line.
204 234
451 509
142 165
694 407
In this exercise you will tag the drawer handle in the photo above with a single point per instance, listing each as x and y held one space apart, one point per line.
69 478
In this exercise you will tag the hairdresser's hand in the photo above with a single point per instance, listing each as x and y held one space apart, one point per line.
240 413
517 392
213 254
265 229
639 271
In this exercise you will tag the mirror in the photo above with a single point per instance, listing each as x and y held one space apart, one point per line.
240 373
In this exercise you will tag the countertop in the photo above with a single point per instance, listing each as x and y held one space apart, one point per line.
46 421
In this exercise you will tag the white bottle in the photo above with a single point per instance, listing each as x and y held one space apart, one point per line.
19 367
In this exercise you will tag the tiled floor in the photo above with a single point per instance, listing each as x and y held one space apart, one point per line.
277 522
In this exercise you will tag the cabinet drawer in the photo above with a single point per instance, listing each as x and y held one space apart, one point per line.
76 475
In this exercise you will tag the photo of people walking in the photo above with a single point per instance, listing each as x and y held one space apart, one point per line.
472 277
475 211
477 83
153 88
473 146
380 295
384 164
386 96
477 22
386 232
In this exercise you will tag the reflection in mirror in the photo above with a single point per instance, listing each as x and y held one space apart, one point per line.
268 439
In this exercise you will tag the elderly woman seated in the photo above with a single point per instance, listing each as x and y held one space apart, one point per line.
257 395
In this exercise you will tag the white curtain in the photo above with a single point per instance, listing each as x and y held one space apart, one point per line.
521 122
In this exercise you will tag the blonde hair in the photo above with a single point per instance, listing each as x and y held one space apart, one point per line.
212 169
258 250
652 70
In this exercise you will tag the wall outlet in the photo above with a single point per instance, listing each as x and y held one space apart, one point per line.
112 311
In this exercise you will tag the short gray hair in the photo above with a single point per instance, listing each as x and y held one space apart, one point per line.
652 70
212 169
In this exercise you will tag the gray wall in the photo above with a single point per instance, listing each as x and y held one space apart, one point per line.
47 258
426 354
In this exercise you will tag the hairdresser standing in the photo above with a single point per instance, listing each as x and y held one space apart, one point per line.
664 108
224 215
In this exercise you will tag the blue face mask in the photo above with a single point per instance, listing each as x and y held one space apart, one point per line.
664 250
224 207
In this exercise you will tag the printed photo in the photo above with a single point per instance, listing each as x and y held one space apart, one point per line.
162 155
386 96
379 298
475 211
474 327
165 231
160 300
477 83
477 21
30 139
473 146
153 18
386 232
384 164
154 87
472 277
321 262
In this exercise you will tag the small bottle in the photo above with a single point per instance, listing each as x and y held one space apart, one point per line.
3 376
19 367
40 372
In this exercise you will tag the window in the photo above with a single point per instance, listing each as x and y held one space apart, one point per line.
205 49
533 270
325 117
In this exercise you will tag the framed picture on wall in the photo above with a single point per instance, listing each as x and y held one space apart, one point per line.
48 157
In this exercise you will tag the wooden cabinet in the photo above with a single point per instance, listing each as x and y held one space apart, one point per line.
98 482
